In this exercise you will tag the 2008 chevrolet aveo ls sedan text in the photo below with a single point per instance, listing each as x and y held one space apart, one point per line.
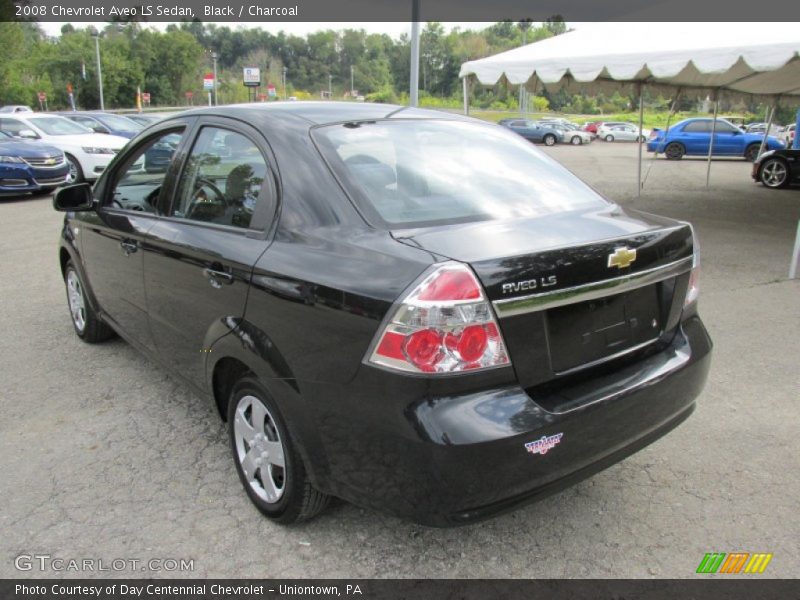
413 311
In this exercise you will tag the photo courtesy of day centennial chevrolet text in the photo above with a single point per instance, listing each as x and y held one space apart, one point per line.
412 311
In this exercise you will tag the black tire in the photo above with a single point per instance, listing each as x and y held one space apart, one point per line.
774 173
75 171
93 330
609 138
576 140
674 151
549 139
299 501
751 152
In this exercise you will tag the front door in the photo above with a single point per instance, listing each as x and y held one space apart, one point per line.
114 238
198 276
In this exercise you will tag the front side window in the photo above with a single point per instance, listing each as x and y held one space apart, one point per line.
425 172
138 183
222 179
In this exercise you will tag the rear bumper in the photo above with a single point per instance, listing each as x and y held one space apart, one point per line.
463 457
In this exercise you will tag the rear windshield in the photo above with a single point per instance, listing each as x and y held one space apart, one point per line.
415 173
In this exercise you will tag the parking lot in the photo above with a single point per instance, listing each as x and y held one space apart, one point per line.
104 455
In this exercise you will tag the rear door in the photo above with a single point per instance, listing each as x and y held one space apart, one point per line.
199 274
696 136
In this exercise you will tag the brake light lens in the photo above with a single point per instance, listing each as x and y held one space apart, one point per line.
444 325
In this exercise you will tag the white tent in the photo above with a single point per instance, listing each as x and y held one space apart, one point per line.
760 59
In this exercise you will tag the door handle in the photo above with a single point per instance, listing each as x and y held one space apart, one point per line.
217 277
128 247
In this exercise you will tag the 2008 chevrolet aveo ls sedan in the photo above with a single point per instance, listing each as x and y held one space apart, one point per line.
413 311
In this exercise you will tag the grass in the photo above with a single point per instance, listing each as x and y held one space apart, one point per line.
651 118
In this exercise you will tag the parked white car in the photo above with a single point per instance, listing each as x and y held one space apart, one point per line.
622 132
572 134
87 153
788 134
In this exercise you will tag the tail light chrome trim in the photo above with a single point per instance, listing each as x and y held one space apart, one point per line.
509 307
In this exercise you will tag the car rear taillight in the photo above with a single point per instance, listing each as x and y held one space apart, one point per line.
444 324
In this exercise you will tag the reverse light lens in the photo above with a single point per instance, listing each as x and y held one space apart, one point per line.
95 150
444 325
693 290
10 159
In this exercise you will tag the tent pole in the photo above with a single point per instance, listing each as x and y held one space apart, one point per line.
639 143
666 131
713 133
769 126
465 87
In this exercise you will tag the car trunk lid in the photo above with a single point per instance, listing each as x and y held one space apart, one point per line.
573 290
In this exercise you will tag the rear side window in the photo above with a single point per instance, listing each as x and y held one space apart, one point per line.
697 127
414 173
222 179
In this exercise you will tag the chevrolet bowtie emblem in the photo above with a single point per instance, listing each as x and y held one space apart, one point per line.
621 257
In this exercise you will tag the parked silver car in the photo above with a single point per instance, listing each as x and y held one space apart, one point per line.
622 132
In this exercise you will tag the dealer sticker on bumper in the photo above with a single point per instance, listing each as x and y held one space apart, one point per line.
543 444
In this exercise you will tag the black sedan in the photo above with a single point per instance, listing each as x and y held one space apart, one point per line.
540 133
413 311
777 168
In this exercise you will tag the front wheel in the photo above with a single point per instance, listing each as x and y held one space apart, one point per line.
576 140
774 173
85 321
549 140
75 174
269 466
609 138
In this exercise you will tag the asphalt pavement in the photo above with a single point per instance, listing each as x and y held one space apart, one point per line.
105 456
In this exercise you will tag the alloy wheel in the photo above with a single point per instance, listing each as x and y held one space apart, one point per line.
259 449
73 175
549 140
576 141
77 306
773 173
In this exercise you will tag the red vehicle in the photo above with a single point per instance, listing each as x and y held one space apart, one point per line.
592 126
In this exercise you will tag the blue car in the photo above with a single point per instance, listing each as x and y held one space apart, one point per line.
29 166
692 137
101 122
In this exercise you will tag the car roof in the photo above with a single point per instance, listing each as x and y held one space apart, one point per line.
322 113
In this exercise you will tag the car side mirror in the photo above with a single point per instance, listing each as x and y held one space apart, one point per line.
74 198
28 134
100 129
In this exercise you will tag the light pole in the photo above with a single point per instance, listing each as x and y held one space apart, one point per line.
352 85
284 83
214 57
330 86
96 36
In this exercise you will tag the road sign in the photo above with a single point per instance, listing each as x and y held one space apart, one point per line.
208 81
42 97
69 88
271 90
189 95
251 76
146 97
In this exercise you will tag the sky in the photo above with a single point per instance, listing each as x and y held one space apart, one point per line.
395 30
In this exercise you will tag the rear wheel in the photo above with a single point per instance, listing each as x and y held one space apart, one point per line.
549 140
774 173
576 140
609 138
751 154
87 324
674 151
269 465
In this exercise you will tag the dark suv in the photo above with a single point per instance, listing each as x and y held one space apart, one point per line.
413 311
